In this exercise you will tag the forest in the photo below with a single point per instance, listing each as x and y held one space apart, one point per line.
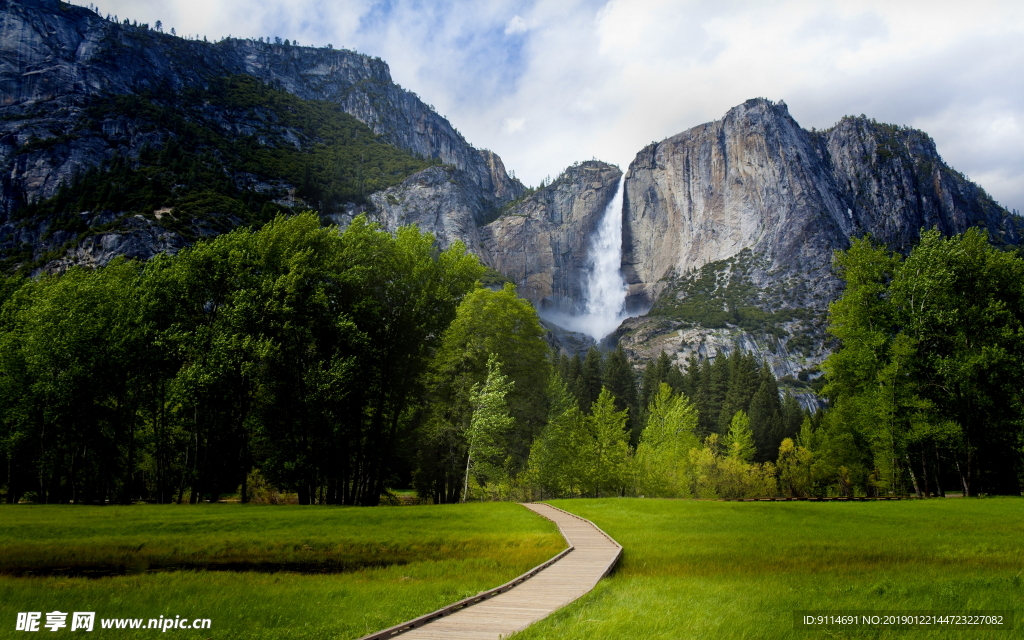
326 366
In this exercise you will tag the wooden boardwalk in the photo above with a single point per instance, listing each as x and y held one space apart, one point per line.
512 607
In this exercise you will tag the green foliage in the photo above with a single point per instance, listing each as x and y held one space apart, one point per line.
931 349
493 279
487 323
662 456
605 454
202 171
489 428
794 467
621 383
296 349
739 443
722 294
555 466
71 352
591 384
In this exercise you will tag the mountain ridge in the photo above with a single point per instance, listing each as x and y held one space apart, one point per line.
729 227
52 52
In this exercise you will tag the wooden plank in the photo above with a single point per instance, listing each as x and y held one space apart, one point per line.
534 595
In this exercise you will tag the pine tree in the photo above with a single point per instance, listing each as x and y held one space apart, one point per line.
619 379
649 384
573 379
556 466
670 373
766 417
592 377
792 416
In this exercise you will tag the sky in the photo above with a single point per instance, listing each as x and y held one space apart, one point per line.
545 84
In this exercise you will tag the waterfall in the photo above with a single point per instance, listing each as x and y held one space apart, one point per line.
605 289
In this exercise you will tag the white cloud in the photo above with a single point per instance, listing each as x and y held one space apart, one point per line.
516 25
595 78
513 125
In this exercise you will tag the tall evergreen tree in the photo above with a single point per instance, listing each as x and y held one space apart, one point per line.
743 383
556 466
607 452
592 377
573 379
792 415
620 381
766 417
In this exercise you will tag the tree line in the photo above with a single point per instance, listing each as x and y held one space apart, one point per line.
335 365
922 389
925 387
294 348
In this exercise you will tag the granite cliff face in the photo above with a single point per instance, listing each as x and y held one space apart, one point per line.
542 242
58 60
756 180
55 57
729 228
539 241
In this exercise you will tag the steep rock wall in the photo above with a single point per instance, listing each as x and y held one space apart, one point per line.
53 56
542 242
730 227
756 180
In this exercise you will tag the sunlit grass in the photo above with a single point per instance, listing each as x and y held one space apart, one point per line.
699 569
418 559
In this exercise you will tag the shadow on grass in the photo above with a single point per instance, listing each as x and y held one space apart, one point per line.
110 570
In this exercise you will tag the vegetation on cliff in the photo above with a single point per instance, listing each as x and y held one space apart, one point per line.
235 152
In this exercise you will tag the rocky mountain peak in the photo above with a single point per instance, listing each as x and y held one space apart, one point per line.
55 56
730 227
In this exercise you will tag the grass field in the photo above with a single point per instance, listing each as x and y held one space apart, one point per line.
388 564
724 570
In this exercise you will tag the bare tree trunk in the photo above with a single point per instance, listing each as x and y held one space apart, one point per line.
924 476
964 482
913 476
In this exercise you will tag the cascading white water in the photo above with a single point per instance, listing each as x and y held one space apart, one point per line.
605 289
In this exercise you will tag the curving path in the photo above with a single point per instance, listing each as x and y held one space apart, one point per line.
529 598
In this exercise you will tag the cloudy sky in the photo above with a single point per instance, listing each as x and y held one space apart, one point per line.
547 83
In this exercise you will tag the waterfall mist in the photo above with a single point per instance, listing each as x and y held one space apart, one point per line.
605 289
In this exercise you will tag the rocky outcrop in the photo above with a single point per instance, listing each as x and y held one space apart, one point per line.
438 200
729 228
54 56
542 242
756 180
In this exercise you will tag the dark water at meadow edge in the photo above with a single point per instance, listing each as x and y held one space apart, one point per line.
112 570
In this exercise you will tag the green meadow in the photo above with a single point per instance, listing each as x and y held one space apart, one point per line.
721 570
261 572
691 569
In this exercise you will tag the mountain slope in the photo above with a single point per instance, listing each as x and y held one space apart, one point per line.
729 228
81 92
